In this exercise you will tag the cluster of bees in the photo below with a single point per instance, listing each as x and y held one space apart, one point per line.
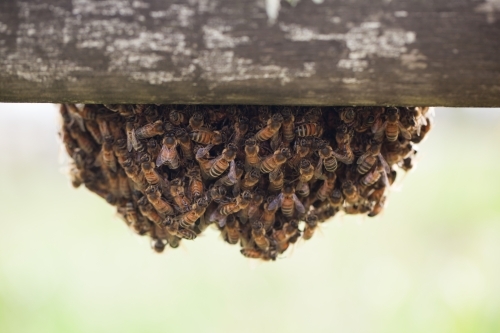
265 176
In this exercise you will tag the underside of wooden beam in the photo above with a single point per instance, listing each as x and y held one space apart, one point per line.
331 52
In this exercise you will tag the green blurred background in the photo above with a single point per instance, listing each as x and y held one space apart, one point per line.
429 263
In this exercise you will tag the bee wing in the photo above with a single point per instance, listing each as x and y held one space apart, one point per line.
76 116
346 159
232 172
135 143
386 166
404 132
131 140
363 157
276 140
318 171
276 202
379 126
203 151
298 205
162 156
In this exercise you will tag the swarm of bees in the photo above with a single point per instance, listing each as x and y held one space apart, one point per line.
265 176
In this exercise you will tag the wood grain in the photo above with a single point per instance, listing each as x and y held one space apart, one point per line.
338 52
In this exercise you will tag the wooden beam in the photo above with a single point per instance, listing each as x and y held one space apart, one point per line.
331 52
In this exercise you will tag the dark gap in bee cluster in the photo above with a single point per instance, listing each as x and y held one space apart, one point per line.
265 176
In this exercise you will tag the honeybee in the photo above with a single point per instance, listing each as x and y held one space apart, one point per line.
306 171
112 107
195 182
188 219
240 129
273 126
216 193
288 202
185 143
302 149
93 112
327 187
196 121
287 127
168 154
350 192
93 129
252 253
409 162
269 215
309 129
177 118
134 173
377 196
251 211
259 236
232 230
104 129
276 180
131 213
368 118
348 115
275 160
69 144
113 183
233 176
313 115
108 156
344 151
264 114
84 141
72 113
326 159
172 226
161 205
178 195
240 202
115 127
218 165
283 236
250 179
158 245
311 225
126 110
215 116
252 159
151 113
392 126
149 212
151 175
369 158
370 178
206 136
123 185
149 130
120 150
422 131
303 189
132 142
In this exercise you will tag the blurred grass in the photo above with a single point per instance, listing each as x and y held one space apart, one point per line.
428 264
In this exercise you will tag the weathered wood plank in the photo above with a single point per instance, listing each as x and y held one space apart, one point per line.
361 52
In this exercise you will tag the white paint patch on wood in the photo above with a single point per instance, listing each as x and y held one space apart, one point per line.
34 35
272 10
215 37
224 66
364 42
490 7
